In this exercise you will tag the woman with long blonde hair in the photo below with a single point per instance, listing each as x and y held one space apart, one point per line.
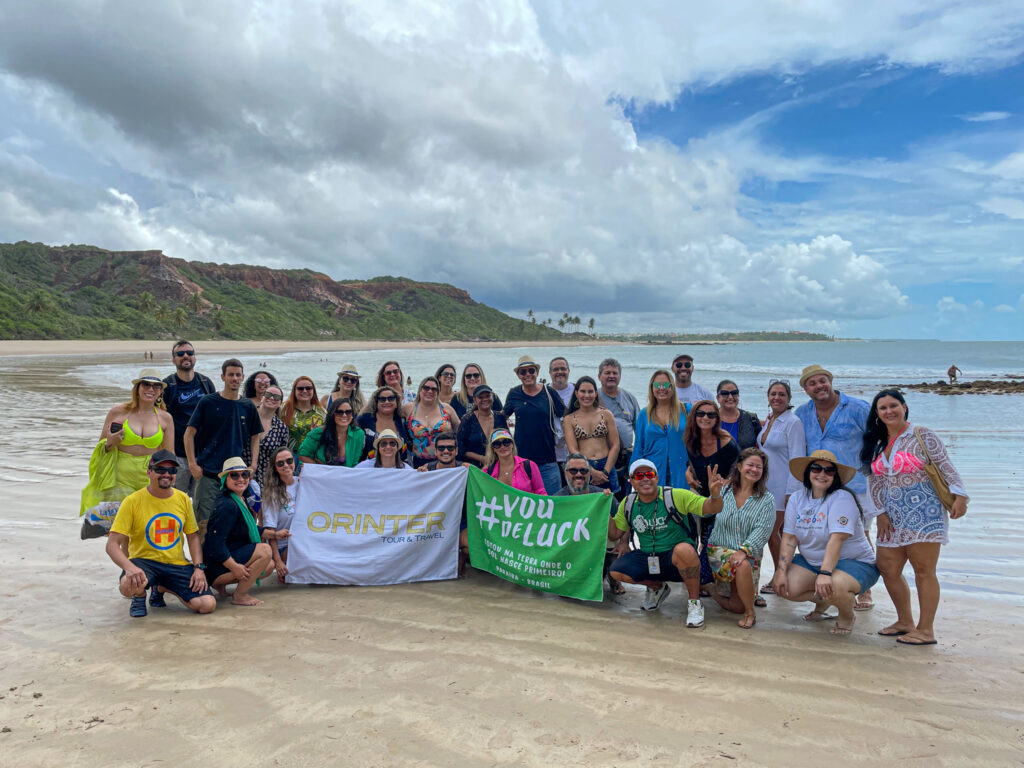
658 435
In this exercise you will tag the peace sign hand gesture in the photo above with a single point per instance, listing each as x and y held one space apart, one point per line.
715 482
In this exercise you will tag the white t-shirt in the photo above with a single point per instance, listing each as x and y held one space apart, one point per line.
693 393
812 521
281 518
369 464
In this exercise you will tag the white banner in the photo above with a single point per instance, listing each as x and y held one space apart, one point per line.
375 526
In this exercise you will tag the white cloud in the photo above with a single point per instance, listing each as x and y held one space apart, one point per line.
949 305
1003 308
984 117
1004 206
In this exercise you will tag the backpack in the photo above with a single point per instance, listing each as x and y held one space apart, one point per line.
690 524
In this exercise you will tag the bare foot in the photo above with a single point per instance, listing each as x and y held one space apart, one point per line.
245 600
748 621
839 630
615 587
222 591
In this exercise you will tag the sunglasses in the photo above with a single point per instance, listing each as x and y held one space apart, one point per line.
448 375
284 462
705 414
502 443
303 389
185 353
471 376
240 475
661 385
683 365
577 471
393 372
262 382
150 385
386 399
828 469
530 371
349 380
778 381
729 393
645 475
165 470
429 389
445 448
387 444
272 397
344 412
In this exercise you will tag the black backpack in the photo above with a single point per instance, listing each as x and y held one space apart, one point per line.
689 523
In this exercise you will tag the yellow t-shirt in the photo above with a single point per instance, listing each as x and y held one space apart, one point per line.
156 528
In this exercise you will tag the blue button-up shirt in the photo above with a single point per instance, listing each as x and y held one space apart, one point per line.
843 434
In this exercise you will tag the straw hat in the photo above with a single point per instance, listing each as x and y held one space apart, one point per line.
798 465
814 370
234 464
526 360
387 434
348 370
150 374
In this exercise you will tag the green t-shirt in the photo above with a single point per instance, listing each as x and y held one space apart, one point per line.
655 531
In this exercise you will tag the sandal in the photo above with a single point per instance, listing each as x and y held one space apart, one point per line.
837 630
863 605
760 602
814 616
767 589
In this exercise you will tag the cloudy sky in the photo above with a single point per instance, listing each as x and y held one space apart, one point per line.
856 168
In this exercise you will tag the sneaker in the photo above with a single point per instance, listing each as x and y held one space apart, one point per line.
138 609
695 613
156 598
654 598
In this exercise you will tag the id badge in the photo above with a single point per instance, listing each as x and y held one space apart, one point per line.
653 565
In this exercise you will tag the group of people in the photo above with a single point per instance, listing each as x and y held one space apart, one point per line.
700 485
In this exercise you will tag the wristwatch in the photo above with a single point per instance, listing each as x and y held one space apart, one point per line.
200 566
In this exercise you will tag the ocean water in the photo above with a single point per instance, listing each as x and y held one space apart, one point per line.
54 408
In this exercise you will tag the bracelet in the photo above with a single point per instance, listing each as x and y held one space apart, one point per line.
822 572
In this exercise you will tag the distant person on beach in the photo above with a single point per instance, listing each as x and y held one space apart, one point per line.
952 373
278 487
256 385
913 523
472 377
537 409
577 483
502 463
625 409
558 369
302 412
687 391
782 439
664 525
185 388
834 421
659 431
346 385
233 549
835 563
132 432
741 530
742 425
146 541
222 426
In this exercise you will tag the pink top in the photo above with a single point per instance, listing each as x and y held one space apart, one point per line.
899 462
533 483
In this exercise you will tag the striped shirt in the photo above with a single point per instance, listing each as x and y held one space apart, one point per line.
747 527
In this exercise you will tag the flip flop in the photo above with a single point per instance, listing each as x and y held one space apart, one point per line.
816 616
897 633
760 602
863 605
901 641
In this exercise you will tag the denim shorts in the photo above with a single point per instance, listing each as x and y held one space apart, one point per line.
173 578
866 574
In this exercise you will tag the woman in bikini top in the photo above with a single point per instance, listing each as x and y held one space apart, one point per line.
600 444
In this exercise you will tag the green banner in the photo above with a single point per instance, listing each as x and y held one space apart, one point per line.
553 544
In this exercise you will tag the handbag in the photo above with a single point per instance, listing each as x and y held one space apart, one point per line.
938 481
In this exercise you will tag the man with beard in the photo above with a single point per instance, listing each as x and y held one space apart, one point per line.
185 387
577 483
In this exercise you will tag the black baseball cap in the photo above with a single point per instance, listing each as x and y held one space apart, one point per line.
161 456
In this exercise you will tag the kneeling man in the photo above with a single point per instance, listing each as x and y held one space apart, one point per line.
662 519
152 524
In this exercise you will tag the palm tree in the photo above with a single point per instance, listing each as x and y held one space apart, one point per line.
180 316
529 315
40 302
591 326
145 302
195 302
576 322
163 312
561 323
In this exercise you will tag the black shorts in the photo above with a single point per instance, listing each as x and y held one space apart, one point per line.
173 578
241 555
634 565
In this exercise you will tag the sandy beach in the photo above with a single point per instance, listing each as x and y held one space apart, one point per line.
472 672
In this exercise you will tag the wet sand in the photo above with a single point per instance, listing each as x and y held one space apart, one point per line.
472 672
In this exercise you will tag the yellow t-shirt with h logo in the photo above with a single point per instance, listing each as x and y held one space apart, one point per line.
156 528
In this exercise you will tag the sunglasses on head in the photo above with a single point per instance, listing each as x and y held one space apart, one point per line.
645 474
165 470
705 414
472 375
184 352
828 469
284 462
577 470
683 364
778 381
245 475
528 371
504 442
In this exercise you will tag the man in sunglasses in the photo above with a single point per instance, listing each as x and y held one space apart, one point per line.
663 521
223 425
185 388
686 390
146 540
446 448
577 483
537 410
